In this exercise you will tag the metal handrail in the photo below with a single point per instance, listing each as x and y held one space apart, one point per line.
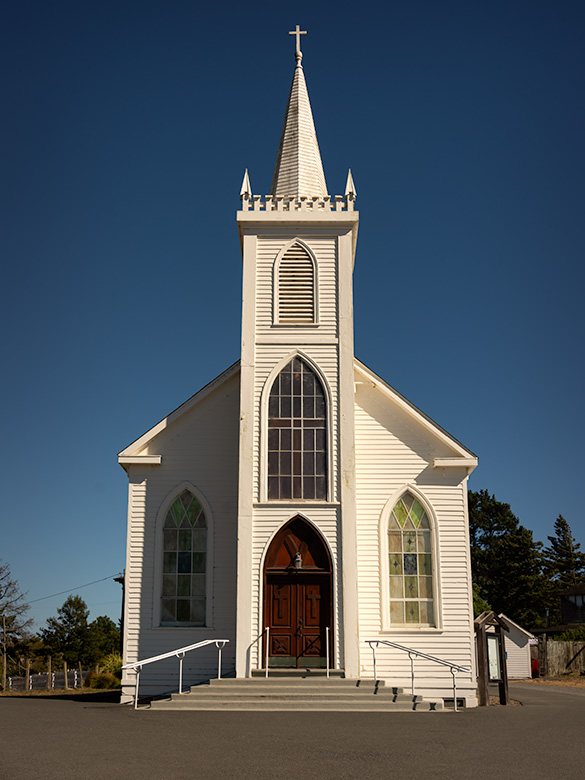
180 654
412 654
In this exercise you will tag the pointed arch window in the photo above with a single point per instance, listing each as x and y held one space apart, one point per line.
297 434
183 599
295 299
410 563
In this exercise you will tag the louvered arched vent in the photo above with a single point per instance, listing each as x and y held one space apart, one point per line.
296 287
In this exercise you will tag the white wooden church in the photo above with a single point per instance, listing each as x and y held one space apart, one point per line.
298 505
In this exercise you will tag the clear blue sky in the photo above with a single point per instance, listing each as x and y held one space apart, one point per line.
127 128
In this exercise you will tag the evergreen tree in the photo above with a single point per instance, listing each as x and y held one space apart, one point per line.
506 562
564 566
565 562
68 633
78 640
480 605
104 638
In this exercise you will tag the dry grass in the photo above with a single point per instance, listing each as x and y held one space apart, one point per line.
57 692
569 681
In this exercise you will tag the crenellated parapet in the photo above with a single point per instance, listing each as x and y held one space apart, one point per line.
336 203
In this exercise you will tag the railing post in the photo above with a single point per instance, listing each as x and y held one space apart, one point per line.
412 656
137 684
373 646
454 673
267 650
220 645
180 656
327 648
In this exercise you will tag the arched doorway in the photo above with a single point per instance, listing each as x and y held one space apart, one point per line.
297 596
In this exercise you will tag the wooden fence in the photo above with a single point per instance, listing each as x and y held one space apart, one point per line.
563 658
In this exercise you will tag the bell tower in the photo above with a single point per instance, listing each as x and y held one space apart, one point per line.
296 454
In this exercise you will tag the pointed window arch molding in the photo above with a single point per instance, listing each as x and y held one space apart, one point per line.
410 597
184 564
295 286
267 447
277 557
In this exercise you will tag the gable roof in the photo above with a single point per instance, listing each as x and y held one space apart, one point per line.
468 458
131 450
511 623
463 456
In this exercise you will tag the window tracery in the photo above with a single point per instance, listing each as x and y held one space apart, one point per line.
183 600
297 434
410 563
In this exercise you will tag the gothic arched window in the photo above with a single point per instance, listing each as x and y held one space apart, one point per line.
184 563
295 287
297 434
410 563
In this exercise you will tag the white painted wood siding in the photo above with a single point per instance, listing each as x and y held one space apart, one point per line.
200 448
324 249
267 520
392 450
518 660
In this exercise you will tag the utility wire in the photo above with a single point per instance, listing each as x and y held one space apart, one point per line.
79 587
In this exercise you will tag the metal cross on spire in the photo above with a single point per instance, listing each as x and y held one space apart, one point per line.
298 32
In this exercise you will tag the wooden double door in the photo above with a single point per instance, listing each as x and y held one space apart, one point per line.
298 613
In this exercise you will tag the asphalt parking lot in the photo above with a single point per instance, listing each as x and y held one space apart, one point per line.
73 739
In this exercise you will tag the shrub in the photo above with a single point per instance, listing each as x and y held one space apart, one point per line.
101 680
573 635
112 663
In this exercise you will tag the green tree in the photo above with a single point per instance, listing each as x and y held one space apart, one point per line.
565 562
480 605
14 622
68 633
564 565
78 640
506 562
104 638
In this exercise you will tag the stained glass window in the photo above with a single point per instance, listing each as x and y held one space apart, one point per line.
184 563
410 563
297 434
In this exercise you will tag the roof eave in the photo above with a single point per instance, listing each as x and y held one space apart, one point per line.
131 453
466 458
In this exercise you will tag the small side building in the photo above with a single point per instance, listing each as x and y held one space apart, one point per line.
517 644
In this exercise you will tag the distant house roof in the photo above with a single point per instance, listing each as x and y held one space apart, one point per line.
575 590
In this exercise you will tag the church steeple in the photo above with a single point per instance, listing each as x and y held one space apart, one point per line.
298 171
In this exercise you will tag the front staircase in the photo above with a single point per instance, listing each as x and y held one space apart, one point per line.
296 690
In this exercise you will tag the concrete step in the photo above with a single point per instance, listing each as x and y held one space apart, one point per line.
290 695
295 673
228 683
296 694
304 705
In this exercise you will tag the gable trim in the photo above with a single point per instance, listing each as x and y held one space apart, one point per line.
464 454
132 450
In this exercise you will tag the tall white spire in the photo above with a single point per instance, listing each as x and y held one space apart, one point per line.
298 171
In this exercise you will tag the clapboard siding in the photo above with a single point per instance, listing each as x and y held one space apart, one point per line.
267 521
325 250
392 450
201 449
